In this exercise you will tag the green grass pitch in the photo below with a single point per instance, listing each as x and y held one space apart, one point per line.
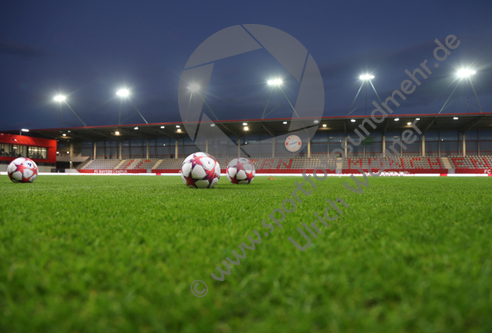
118 254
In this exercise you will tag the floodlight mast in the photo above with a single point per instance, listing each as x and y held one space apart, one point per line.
464 73
60 99
124 93
277 83
365 78
194 88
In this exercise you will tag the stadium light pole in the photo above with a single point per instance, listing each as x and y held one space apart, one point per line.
464 73
194 88
23 130
365 78
63 99
60 99
277 83
125 93
272 83
121 93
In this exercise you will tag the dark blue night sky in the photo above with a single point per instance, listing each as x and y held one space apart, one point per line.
89 49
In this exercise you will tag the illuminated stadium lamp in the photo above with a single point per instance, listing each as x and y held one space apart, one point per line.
246 128
135 128
212 125
117 133
455 118
123 92
409 123
417 118
193 87
57 153
64 134
68 152
163 126
245 124
69 131
324 125
352 120
177 126
465 72
179 130
365 77
285 123
316 121
60 98
397 119
24 130
275 82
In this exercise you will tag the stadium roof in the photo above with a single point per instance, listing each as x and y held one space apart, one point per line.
450 122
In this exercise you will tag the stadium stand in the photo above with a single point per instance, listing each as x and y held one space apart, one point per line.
277 164
126 164
145 164
101 164
471 162
170 163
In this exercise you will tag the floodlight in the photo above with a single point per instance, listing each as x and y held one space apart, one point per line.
135 128
64 134
123 92
193 87
316 121
177 126
366 77
324 125
417 118
465 72
397 119
275 82
285 123
163 126
245 124
352 120
246 128
409 123
179 130
116 133
212 125
455 118
24 130
59 98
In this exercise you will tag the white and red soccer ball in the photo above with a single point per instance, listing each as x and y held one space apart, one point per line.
240 171
22 170
200 170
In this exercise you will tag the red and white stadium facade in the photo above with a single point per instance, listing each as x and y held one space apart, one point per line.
111 150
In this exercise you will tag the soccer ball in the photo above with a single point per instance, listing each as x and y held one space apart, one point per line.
22 170
241 171
200 170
